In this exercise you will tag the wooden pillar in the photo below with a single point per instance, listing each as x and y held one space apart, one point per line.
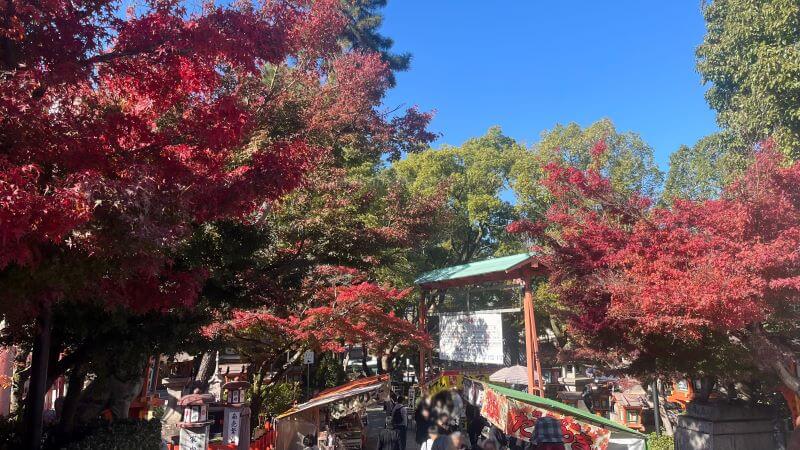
531 342
422 326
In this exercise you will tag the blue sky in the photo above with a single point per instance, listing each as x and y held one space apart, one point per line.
528 64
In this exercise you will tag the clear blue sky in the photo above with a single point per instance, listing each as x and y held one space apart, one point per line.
528 64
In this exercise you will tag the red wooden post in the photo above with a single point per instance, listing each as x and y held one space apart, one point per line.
531 341
422 327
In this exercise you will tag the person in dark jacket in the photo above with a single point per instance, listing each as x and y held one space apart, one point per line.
443 422
389 439
388 404
435 440
422 420
400 420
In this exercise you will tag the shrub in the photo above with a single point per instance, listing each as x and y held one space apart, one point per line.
662 442
330 372
279 397
126 434
9 434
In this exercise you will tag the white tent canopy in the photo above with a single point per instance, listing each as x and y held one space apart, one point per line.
512 375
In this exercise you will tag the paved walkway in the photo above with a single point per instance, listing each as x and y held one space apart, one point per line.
377 419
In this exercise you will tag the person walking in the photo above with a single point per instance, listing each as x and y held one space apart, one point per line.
400 420
547 434
388 404
435 440
458 441
443 422
422 419
389 439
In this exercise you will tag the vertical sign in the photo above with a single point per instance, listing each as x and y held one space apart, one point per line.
233 424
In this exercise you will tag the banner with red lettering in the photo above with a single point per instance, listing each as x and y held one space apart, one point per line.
518 419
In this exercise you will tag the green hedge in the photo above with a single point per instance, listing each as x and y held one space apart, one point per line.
662 442
122 435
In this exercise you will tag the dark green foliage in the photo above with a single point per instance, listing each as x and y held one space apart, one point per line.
363 32
120 435
751 59
329 373
9 434
279 397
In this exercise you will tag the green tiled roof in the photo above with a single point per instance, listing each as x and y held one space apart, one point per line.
564 409
472 269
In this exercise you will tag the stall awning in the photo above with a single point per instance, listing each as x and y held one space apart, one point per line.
357 387
546 403
495 269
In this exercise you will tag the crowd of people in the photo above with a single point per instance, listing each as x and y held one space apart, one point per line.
444 422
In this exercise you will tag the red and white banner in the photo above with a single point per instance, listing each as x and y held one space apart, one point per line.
518 419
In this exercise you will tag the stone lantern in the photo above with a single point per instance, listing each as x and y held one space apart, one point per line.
236 428
233 393
195 423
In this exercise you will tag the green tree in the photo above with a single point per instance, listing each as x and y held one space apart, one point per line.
364 21
329 373
700 172
627 161
474 178
751 58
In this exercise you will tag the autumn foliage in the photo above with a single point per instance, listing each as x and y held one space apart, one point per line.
632 276
120 135
342 308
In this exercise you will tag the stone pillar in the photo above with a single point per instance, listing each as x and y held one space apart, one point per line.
720 426
236 427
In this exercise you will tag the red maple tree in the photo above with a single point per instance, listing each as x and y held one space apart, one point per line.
342 308
120 135
716 276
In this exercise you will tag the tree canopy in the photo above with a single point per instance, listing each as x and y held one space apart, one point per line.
627 161
474 178
648 284
751 60
129 141
703 171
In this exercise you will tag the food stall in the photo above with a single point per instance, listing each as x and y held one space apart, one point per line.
341 410
515 414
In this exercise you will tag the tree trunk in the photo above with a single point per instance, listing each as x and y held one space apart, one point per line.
775 357
387 362
69 408
21 375
662 411
204 371
365 359
114 392
256 391
34 409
